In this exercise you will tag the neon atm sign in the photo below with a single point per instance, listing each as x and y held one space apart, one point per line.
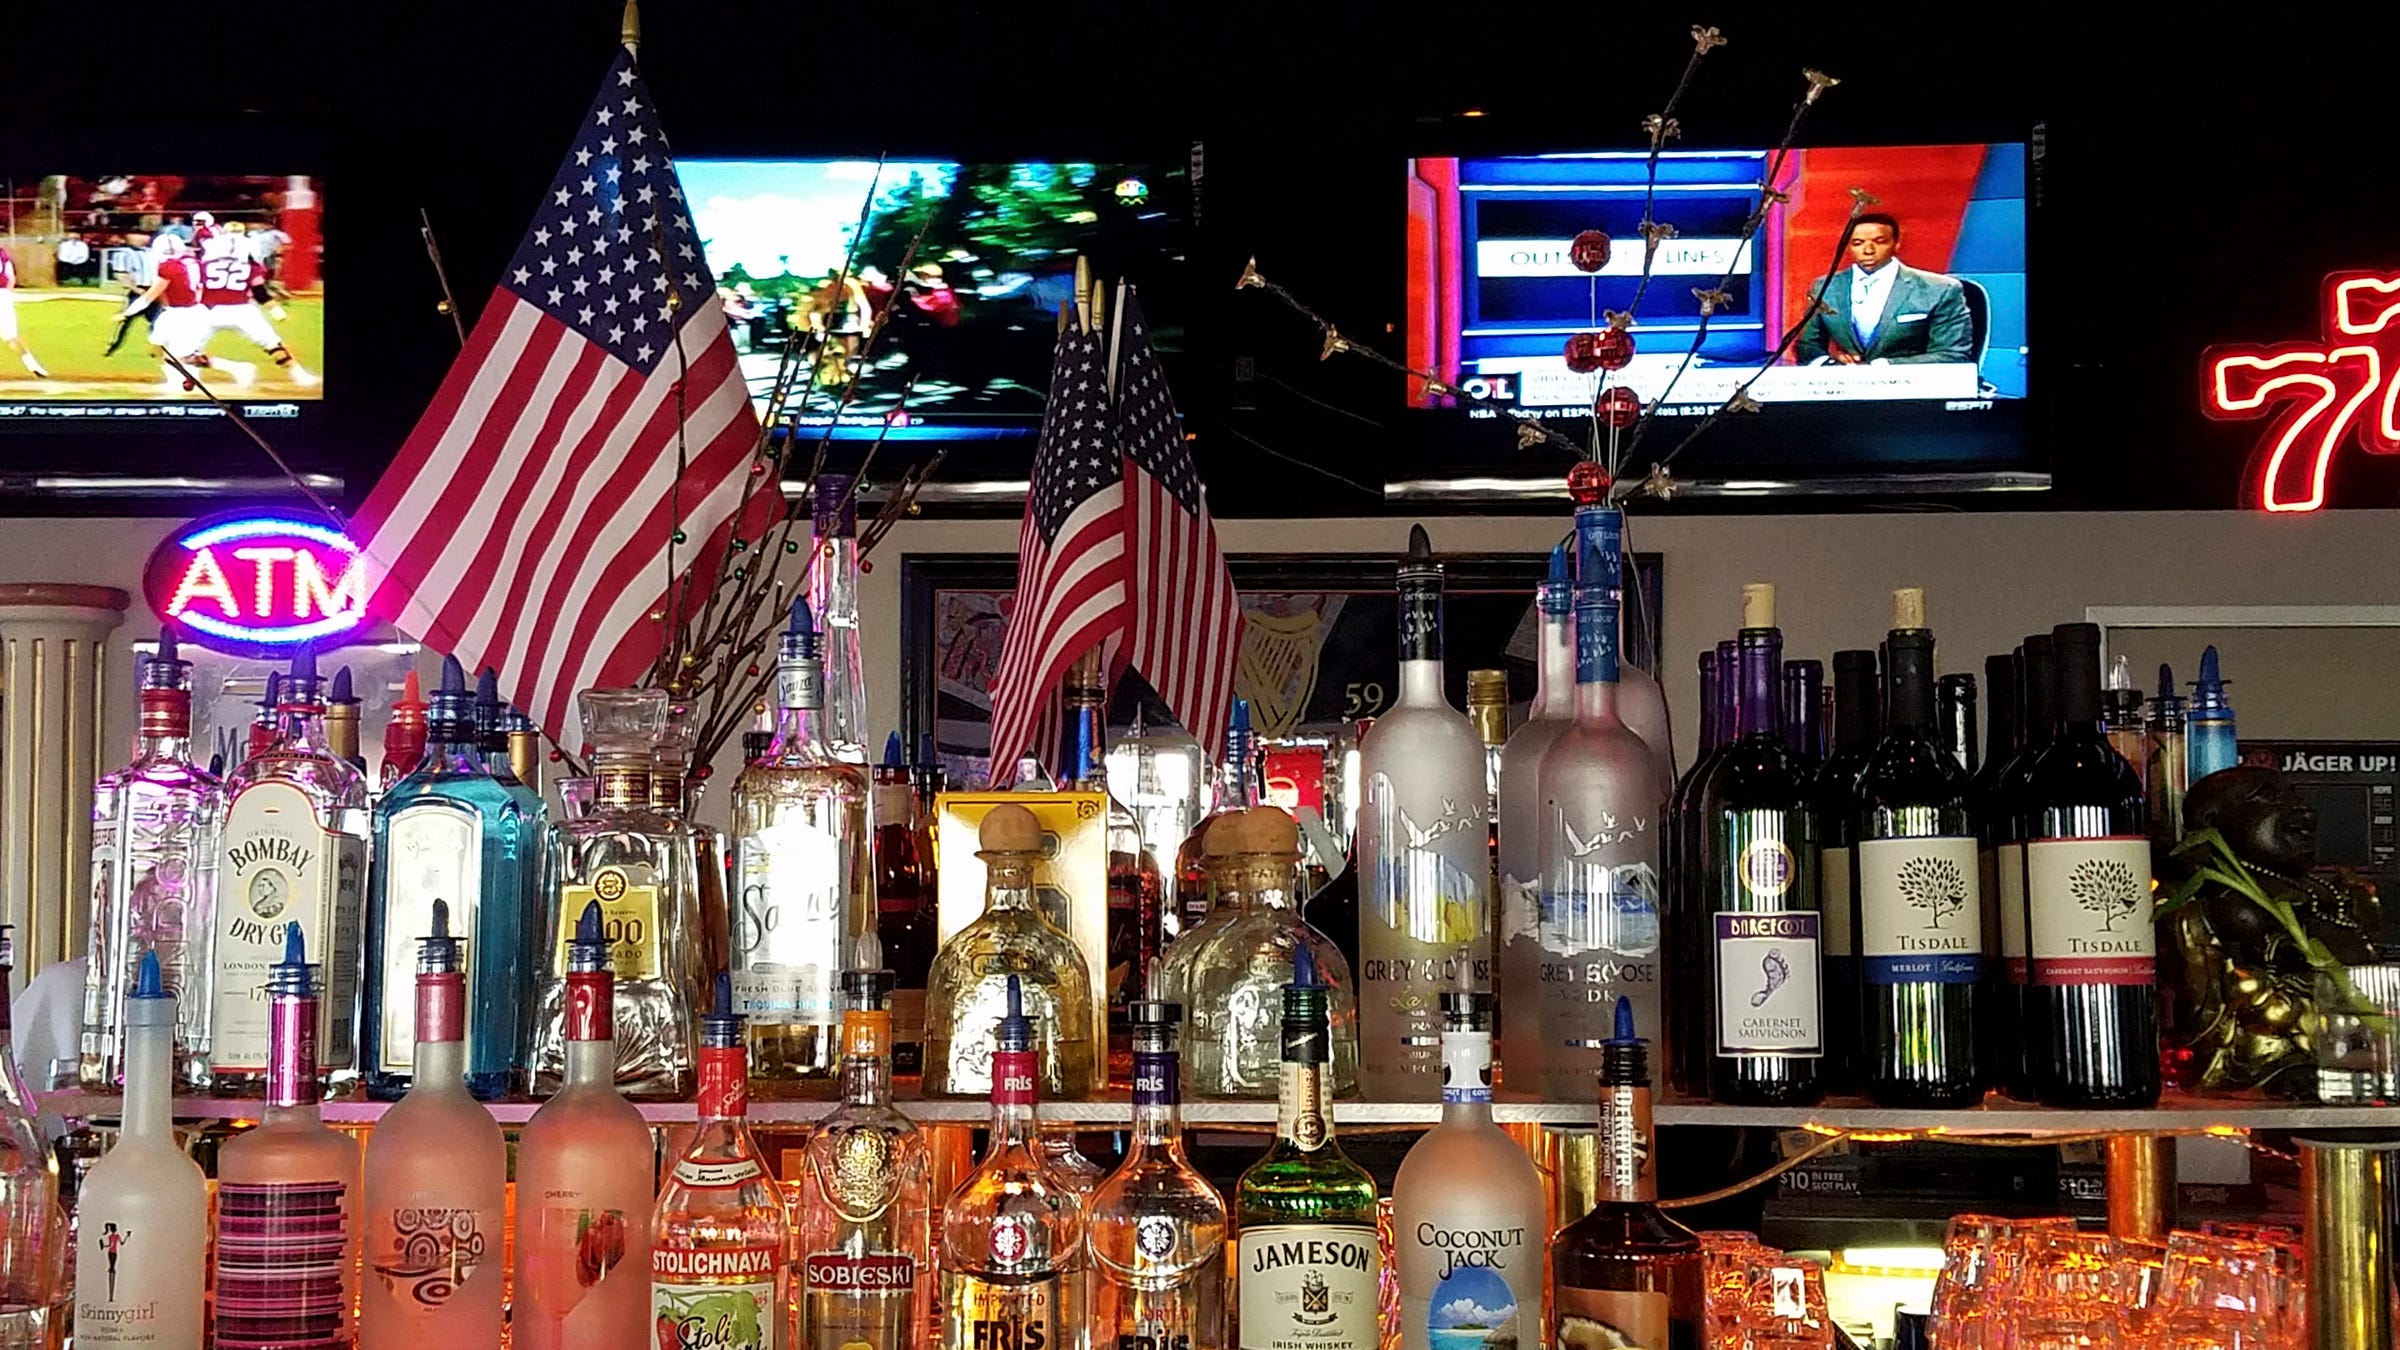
256 584
2343 386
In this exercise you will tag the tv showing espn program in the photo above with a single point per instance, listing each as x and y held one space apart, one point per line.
1925 300
103 279
977 303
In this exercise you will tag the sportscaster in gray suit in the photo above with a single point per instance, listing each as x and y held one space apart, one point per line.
1885 311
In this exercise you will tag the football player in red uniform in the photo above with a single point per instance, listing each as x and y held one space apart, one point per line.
181 327
8 317
228 272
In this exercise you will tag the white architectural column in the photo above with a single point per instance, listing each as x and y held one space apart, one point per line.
54 680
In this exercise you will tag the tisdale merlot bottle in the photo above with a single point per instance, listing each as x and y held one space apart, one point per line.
142 1211
2093 1038
720 1257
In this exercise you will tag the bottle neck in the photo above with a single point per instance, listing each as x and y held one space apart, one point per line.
1084 756
1710 732
1908 684
1234 784
866 1058
300 728
1015 1080
592 1063
1625 1145
1157 1108
1761 665
1466 1076
724 1084
621 787
1007 880
292 1051
1554 683
1420 626
450 748
149 1082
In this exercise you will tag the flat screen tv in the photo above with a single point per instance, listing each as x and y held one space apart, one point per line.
1918 365
103 277
966 355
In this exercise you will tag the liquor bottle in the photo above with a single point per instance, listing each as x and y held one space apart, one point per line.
833 596
1687 1055
451 833
155 838
1307 1264
2003 689
1136 890
341 721
674 795
641 868
2123 713
1156 1231
1487 710
905 910
1750 947
436 1182
800 848
1918 893
1597 930
585 1165
1520 888
288 1232
2209 737
267 724
1625 1274
1012 1234
1954 719
1469 1212
1010 943
2093 1029
1803 699
524 749
863 1206
1232 788
142 1211
1857 730
719 1255
403 736
294 859
2037 697
760 735
2167 768
1236 1047
1423 850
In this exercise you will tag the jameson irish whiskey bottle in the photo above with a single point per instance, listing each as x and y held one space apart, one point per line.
1010 945
1625 1274
1424 854
1307 1265
142 1211
1157 1228
295 859
1237 979
155 839
800 850
1520 895
1857 730
1012 1232
905 916
719 1257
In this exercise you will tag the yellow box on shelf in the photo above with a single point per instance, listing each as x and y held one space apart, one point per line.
1070 884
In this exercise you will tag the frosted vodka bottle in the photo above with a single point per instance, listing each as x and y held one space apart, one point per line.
144 1207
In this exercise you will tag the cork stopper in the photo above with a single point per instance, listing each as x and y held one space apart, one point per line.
1261 829
1908 607
1758 605
1010 828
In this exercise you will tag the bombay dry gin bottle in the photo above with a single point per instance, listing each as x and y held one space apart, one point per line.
1519 896
641 868
1625 1274
288 1202
142 1211
1307 1266
155 826
1237 978
863 1210
294 859
436 1183
1012 1233
1599 827
1469 1214
1010 944
718 1257
1157 1228
584 1188
803 878
1424 850
449 831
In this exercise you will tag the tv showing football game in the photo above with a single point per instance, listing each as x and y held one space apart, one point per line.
1917 254
810 254
135 297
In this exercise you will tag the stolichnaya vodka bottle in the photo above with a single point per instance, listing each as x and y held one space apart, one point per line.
142 1211
1424 854
720 1261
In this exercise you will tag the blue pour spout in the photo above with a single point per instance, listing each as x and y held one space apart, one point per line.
303 680
342 687
437 951
1016 1030
2209 689
1623 1033
148 982
588 950
1624 1056
1558 566
722 1026
291 976
454 676
1304 969
891 751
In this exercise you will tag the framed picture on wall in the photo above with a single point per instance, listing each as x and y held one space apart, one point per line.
1317 639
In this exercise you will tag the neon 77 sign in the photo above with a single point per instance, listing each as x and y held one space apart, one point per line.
2319 394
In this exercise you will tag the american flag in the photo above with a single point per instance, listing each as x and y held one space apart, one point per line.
529 523
1073 585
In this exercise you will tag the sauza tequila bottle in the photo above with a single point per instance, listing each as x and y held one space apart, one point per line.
719 1264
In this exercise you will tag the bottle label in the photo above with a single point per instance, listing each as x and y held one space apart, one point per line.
716 1176
282 868
855 1170
433 850
724 1083
282 1258
1424 893
1921 912
873 1273
1767 996
596 1238
423 1255
1596 904
788 926
1633 1319
138 1282
716 1298
1304 1106
1154 1079
1309 1287
1467 1066
1833 897
1020 1315
1016 1078
591 1005
1595 643
2089 907
1486 1271
2008 864
1624 1139
628 900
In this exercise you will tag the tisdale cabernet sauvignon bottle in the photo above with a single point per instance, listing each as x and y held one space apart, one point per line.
2093 1036
1857 727
2036 716
1748 962
1919 919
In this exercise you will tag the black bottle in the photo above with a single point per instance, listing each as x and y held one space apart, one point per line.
2001 685
1954 717
1685 1039
2036 716
1833 794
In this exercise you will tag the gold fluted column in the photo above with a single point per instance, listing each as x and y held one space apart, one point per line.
54 683
2347 1207
2141 1186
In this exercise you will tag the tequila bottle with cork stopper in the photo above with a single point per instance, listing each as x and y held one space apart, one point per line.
436 1182
1010 944
720 1253
1157 1228
155 827
640 867
584 1183
142 1211
1236 980
288 1201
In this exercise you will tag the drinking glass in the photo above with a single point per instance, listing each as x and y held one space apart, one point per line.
1726 1258
1786 1307
2218 1293
2141 1286
2357 1043
2067 1293
1960 1290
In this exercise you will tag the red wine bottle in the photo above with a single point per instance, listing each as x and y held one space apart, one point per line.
1919 892
2002 691
2037 694
1685 1026
1833 794
2092 950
